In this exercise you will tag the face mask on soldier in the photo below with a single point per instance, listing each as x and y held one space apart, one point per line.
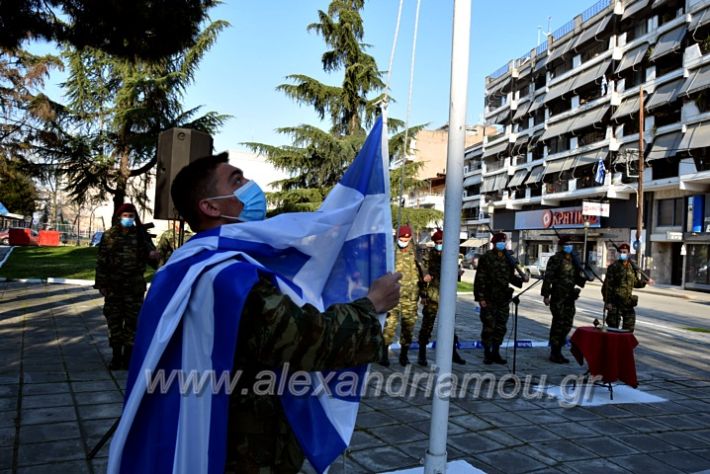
623 257
439 247
254 201
567 248
402 244
128 221
500 246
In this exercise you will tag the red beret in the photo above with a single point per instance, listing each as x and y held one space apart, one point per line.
624 246
499 237
126 207
405 231
438 235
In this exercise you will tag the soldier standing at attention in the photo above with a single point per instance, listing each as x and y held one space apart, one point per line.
169 241
491 290
406 264
619 283
124 251
429 291
559 293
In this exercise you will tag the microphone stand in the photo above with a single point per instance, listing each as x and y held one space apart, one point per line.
516 301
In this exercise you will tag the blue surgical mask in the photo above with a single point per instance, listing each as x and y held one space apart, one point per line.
623 257
500 246
439 247
567 248
128 221
402 245
253 199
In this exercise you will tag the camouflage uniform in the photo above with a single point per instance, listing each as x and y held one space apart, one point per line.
274 331
429 292
167 244
493 275
405 263
120 265
617 290
561 277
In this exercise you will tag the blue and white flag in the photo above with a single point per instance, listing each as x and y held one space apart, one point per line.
601 172
189 322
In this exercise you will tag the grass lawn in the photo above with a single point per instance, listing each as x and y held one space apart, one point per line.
57 262
464 286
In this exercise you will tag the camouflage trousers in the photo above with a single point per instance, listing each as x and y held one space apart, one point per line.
121 312
562 310
627 314
407 312
494 320
428 319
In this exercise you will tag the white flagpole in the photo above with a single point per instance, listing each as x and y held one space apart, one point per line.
435 460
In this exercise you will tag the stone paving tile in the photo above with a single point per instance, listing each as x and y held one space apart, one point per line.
383 459
374 419
340 466
362 440
106 410
684 460
684 440
572 430
643 463
398 433
7 436
424 427
681 422
606 446
610 411
478 406
648 425
95 386
6 459
645 443
542 417
53 451
607 427
47 401
580 414
470 422
74 467
8 403
49 432
531 433
8 390
504 419
44 377
417 450
562 450
704 434
510 461
594 466
473 442
45 388
95 398
38 416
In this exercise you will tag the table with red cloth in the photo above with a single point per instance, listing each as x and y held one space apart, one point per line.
609 354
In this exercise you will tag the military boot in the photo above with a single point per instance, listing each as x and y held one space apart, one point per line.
421 360
127 351
385 361
556 355
495 355
487 355
403 359
116 359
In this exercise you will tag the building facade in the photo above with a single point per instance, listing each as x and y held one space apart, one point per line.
623 79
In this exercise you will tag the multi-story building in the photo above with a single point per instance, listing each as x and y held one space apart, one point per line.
624 78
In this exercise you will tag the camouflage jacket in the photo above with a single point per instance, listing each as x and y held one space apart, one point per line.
273 332
430 265
561 277
619 283
122 258
493 275
167 244
406 263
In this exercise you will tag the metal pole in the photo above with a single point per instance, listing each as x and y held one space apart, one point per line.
435 459
639 191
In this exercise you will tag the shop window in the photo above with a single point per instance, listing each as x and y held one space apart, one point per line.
669 212
697 264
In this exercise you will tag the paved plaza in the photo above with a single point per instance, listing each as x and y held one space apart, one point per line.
57 399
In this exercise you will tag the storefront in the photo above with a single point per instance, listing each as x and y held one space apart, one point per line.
697 262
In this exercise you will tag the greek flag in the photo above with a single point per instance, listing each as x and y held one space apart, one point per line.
601 172
190 319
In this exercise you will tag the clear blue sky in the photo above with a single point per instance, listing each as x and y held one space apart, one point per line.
268 41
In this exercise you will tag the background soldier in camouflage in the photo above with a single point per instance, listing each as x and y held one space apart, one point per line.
273 330
406 264
168 242
619 283
124 251
559 293
429 292
491 290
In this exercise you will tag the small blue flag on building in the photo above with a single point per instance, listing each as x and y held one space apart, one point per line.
601 172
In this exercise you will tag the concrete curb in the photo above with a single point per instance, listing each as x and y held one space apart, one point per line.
50 280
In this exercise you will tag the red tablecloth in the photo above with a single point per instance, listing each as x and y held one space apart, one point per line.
609 354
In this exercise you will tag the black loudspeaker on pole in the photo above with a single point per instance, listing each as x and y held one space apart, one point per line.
176 148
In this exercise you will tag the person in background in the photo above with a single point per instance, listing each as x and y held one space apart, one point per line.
617 291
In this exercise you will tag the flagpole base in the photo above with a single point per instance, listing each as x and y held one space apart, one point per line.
454 467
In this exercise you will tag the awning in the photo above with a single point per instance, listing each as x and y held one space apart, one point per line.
535 138
590 158
557 129
470 204
698 80
540 61
632 57
560 50
588 118
664 94
520 142
474 243
700 18
669 42
518 178
471 180
658 3
665 145
500 181
560 89
522 110
591 74
476 151
592 32
696 136
536 103
500 117
487 185
630 105
495 149
498 87
535 175
559 165
634 8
